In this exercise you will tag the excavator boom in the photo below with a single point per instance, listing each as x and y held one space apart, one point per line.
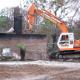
33 11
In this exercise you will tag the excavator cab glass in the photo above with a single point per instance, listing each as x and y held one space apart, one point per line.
66 40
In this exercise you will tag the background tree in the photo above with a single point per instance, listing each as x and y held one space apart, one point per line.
6 19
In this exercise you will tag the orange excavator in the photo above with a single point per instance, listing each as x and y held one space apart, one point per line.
66 41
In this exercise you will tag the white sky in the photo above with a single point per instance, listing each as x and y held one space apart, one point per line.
9 3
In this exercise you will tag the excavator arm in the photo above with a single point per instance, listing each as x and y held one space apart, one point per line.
33 11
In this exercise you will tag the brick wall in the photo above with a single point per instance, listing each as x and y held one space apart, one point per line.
36 45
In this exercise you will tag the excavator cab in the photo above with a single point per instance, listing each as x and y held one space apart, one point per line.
66 40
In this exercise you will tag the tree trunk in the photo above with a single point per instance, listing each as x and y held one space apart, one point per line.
22 54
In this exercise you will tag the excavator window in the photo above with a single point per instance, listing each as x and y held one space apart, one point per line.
64 40
64 37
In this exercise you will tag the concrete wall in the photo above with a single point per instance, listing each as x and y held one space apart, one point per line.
36 44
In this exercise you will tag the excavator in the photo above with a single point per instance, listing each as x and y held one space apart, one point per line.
66 42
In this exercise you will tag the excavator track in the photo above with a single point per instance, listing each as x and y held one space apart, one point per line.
69 56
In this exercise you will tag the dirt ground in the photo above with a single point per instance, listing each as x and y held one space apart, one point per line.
39 70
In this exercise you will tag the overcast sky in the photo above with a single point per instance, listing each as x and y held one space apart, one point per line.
9 3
